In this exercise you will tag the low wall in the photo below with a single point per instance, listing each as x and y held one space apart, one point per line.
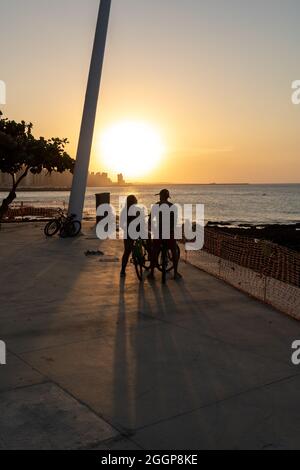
272 275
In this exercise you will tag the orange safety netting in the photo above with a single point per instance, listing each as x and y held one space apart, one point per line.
43 212
260 256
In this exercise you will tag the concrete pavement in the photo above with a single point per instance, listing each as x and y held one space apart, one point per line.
95 362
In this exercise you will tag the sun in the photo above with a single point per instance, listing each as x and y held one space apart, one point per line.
133 148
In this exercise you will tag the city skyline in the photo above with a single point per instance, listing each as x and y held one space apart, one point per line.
61 180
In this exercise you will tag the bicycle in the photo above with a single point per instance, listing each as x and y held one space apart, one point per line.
142 255
66 225
165 262
140 258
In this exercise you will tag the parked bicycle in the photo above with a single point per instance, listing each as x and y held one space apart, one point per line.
165 262
141 258
65 225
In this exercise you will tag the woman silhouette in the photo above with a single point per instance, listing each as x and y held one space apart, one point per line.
128 242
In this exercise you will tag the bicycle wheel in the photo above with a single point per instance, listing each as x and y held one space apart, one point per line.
170 257
168 261
52 228
70 229
138 259
75 228
164 261
146 256
138 265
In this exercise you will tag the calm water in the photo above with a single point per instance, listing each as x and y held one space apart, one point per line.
233 204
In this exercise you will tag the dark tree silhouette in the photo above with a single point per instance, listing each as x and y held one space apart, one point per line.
21 153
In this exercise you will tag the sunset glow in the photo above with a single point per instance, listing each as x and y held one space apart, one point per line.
132 148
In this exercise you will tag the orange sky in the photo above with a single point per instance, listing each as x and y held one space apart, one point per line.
215 81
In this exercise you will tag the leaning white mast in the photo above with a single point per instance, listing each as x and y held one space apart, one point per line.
79 184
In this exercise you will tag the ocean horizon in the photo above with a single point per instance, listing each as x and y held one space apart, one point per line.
230 203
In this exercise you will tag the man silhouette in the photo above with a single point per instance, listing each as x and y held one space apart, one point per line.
164 197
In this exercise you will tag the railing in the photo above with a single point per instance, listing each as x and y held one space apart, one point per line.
28 211
260 268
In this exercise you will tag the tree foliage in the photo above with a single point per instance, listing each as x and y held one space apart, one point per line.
21 153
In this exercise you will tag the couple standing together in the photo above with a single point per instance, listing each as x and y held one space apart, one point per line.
164 199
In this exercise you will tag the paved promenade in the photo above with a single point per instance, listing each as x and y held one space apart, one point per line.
94 362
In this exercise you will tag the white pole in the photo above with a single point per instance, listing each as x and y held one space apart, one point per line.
79 184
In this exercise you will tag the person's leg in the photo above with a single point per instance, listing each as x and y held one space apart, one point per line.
173 248
149 247
148 252
154 256
128 245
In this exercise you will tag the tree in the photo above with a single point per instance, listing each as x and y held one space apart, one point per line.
21 153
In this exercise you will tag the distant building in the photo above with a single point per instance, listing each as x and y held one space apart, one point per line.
42 180
99 179
47 180
121 181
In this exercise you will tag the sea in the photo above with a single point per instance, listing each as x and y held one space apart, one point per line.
230 204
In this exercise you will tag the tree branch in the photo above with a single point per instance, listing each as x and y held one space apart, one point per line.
13 178
21 177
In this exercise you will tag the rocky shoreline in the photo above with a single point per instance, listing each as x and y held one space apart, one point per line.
287 235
